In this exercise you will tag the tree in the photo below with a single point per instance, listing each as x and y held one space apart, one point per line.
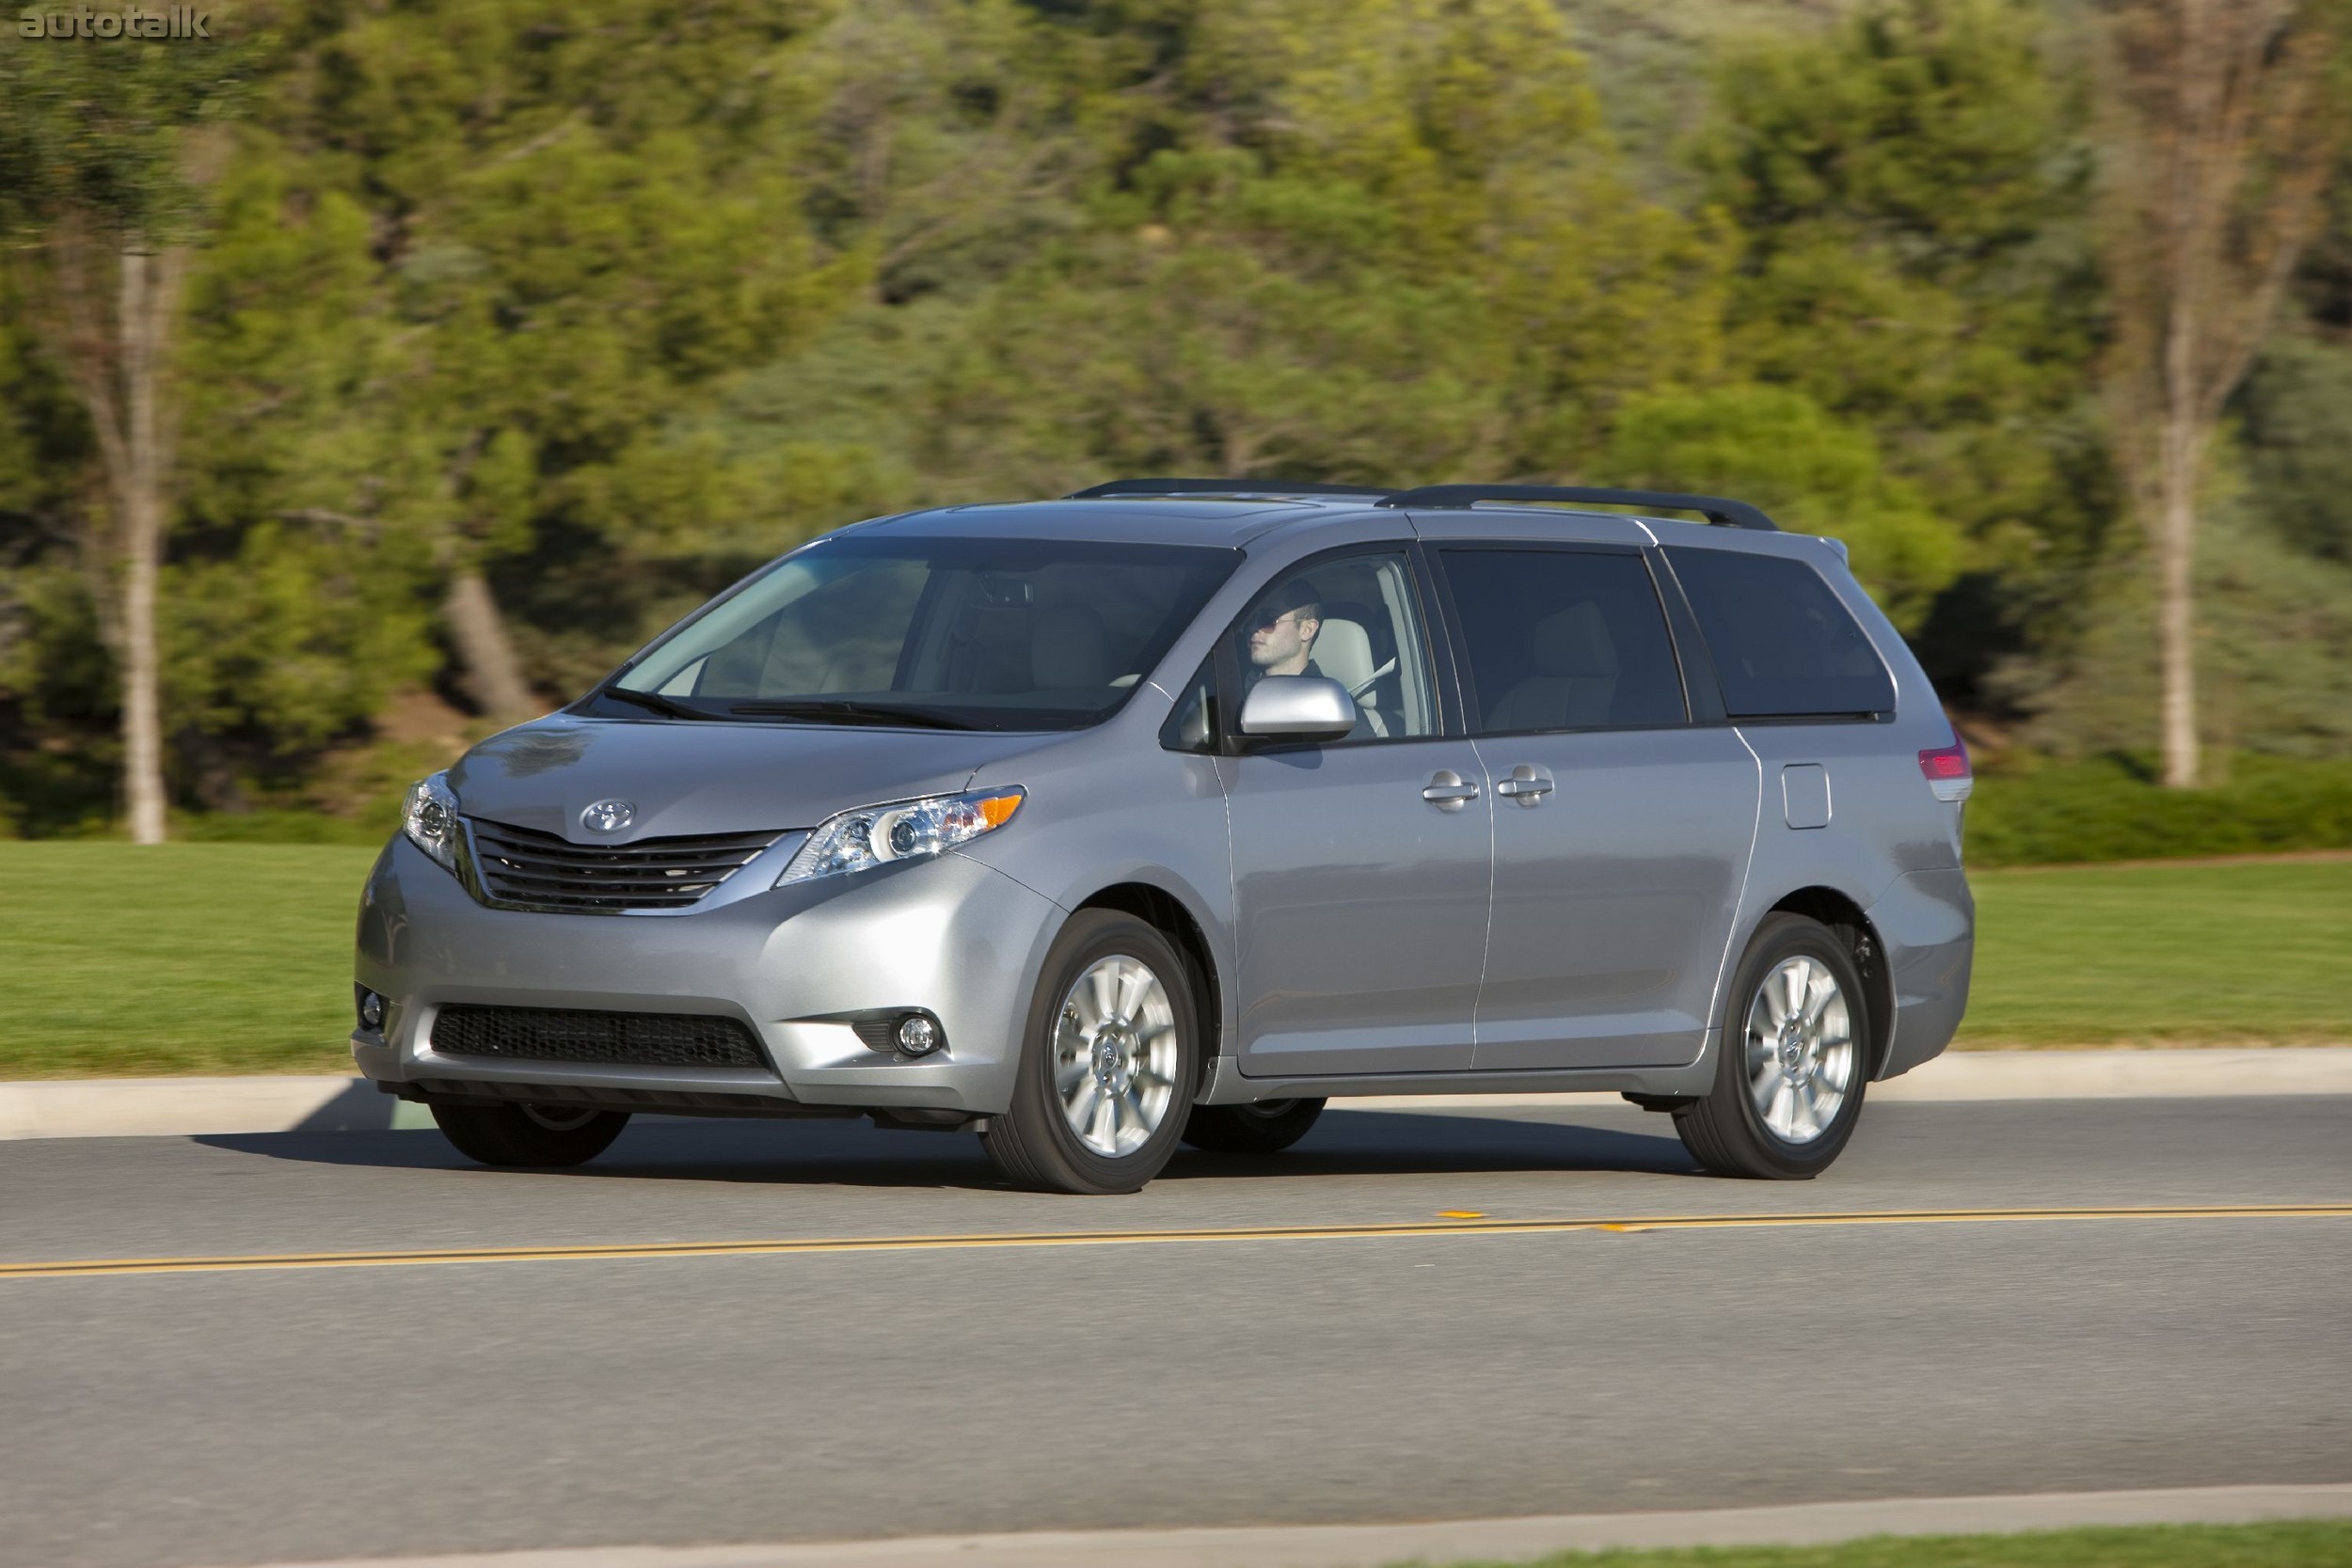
1906 190
582 216
1775 446
2220 132
1380 240
287 620
104 148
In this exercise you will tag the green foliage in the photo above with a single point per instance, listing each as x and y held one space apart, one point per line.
282 825
287 621
57 764
1778 448
55 674
1910 190
2275 665
96 132
45 440
2296 408
1925 129
572 220
288 637
2111 808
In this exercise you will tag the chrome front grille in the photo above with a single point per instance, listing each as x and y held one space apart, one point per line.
534 870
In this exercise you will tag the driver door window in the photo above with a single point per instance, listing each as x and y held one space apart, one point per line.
1356 620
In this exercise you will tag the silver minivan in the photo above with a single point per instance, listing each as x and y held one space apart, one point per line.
1166 811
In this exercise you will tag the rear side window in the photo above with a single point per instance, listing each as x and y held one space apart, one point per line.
1563 639
1784 647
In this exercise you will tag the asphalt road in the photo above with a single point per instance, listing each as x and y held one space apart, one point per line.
188 1418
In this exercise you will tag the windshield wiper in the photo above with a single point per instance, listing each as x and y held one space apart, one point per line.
655 701
842 711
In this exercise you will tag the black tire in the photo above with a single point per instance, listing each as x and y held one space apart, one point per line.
1266 1127
529 1134
1725 1129
1034 1145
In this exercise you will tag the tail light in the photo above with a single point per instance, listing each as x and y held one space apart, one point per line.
1947 772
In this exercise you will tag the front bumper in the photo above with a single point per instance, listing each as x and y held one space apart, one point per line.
950 936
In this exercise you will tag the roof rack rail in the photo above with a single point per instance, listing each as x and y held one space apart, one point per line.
1223 487
1716 509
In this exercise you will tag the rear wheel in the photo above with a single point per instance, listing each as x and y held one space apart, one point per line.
1109 1062
1264 1128
1794 1063
540 1135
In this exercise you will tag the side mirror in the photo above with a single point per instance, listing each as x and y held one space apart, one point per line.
1298 708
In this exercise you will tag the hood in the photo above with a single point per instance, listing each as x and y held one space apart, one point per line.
689 777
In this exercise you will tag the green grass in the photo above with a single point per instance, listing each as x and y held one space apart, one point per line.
178 959
2299 1543
2163 953
236 957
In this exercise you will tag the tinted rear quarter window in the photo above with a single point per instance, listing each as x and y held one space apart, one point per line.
1784 645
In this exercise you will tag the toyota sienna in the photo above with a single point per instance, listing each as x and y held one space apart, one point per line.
1167 811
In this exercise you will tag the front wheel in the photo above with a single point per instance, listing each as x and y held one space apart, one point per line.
1794 1061
1109 1062
541 1135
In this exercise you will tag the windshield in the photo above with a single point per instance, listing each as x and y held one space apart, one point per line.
991 634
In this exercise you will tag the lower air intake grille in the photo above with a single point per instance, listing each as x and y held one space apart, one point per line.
563 1034
541 871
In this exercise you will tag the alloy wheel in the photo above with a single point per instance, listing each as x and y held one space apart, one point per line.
1801 1055
1115 1055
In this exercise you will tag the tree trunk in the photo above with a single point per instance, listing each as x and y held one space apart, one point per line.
2175 553
149 285
493 675
2181 443
118 361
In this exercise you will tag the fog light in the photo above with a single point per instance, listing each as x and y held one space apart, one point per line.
918 1036
370 1011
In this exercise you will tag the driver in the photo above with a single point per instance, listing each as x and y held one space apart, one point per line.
1282 631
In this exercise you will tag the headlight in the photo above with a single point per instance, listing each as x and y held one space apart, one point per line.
902 830
430 820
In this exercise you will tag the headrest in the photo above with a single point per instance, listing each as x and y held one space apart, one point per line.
1069 646
1342 651
1574 641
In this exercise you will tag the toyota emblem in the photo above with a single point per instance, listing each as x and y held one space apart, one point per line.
608 816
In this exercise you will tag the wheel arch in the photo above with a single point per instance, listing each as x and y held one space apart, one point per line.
1168 913
1843 914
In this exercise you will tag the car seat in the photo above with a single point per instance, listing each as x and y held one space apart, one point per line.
1342 651
1573 678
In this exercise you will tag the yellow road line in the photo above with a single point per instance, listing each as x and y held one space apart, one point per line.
82 1267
